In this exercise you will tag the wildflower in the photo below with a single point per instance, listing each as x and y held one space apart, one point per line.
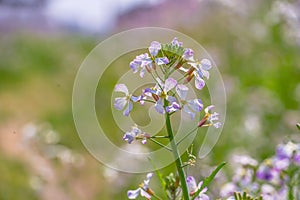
141 62
162 61
210 118
193 188
271 193
188 54
286 150
189 106
228 189
143 189
160 92
245 160
176 43
200 71
287 154
135 134
121 102
154 48
266 172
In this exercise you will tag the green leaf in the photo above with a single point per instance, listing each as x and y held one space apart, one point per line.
298 126
209 179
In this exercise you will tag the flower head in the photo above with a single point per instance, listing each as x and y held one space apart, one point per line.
210 118
143 189
121 102
199 70
154 48
160 92
188 54
140 63
191 107
135 134
175 42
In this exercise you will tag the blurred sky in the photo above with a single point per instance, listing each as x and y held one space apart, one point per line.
93 16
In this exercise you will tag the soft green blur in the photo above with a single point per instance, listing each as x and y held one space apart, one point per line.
259 62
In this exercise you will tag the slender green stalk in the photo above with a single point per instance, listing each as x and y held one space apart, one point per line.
177 157
160 144
188 134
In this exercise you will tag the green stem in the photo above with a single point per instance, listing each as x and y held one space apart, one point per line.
177 157
188 134
160 144
160 136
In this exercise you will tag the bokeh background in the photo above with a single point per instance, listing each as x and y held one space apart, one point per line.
43 42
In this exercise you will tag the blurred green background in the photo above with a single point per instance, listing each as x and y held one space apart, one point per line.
255 45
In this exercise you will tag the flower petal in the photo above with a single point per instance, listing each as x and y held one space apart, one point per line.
133 194
142 72
173 107
154 48
145 194
175 42
162 61
170 84
159 106
188 54
188 111
128 109
128 137
134 66
120 103
191 184
206 64
217 125
182 91
208 108
171 99
199 83
195 104
121 88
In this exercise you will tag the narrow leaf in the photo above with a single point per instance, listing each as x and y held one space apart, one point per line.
209 179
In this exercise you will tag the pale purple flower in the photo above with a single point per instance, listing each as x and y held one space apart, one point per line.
228 190
286 150
281 164
210 119
154 48
243 176
140 63
188 54
191 107
245 160
270 193
200 72
142 190
175 42
267 172
297 156
193 188
135 133
162 61
161 91
121 102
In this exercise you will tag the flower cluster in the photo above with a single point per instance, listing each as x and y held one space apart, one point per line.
275 178
168 94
